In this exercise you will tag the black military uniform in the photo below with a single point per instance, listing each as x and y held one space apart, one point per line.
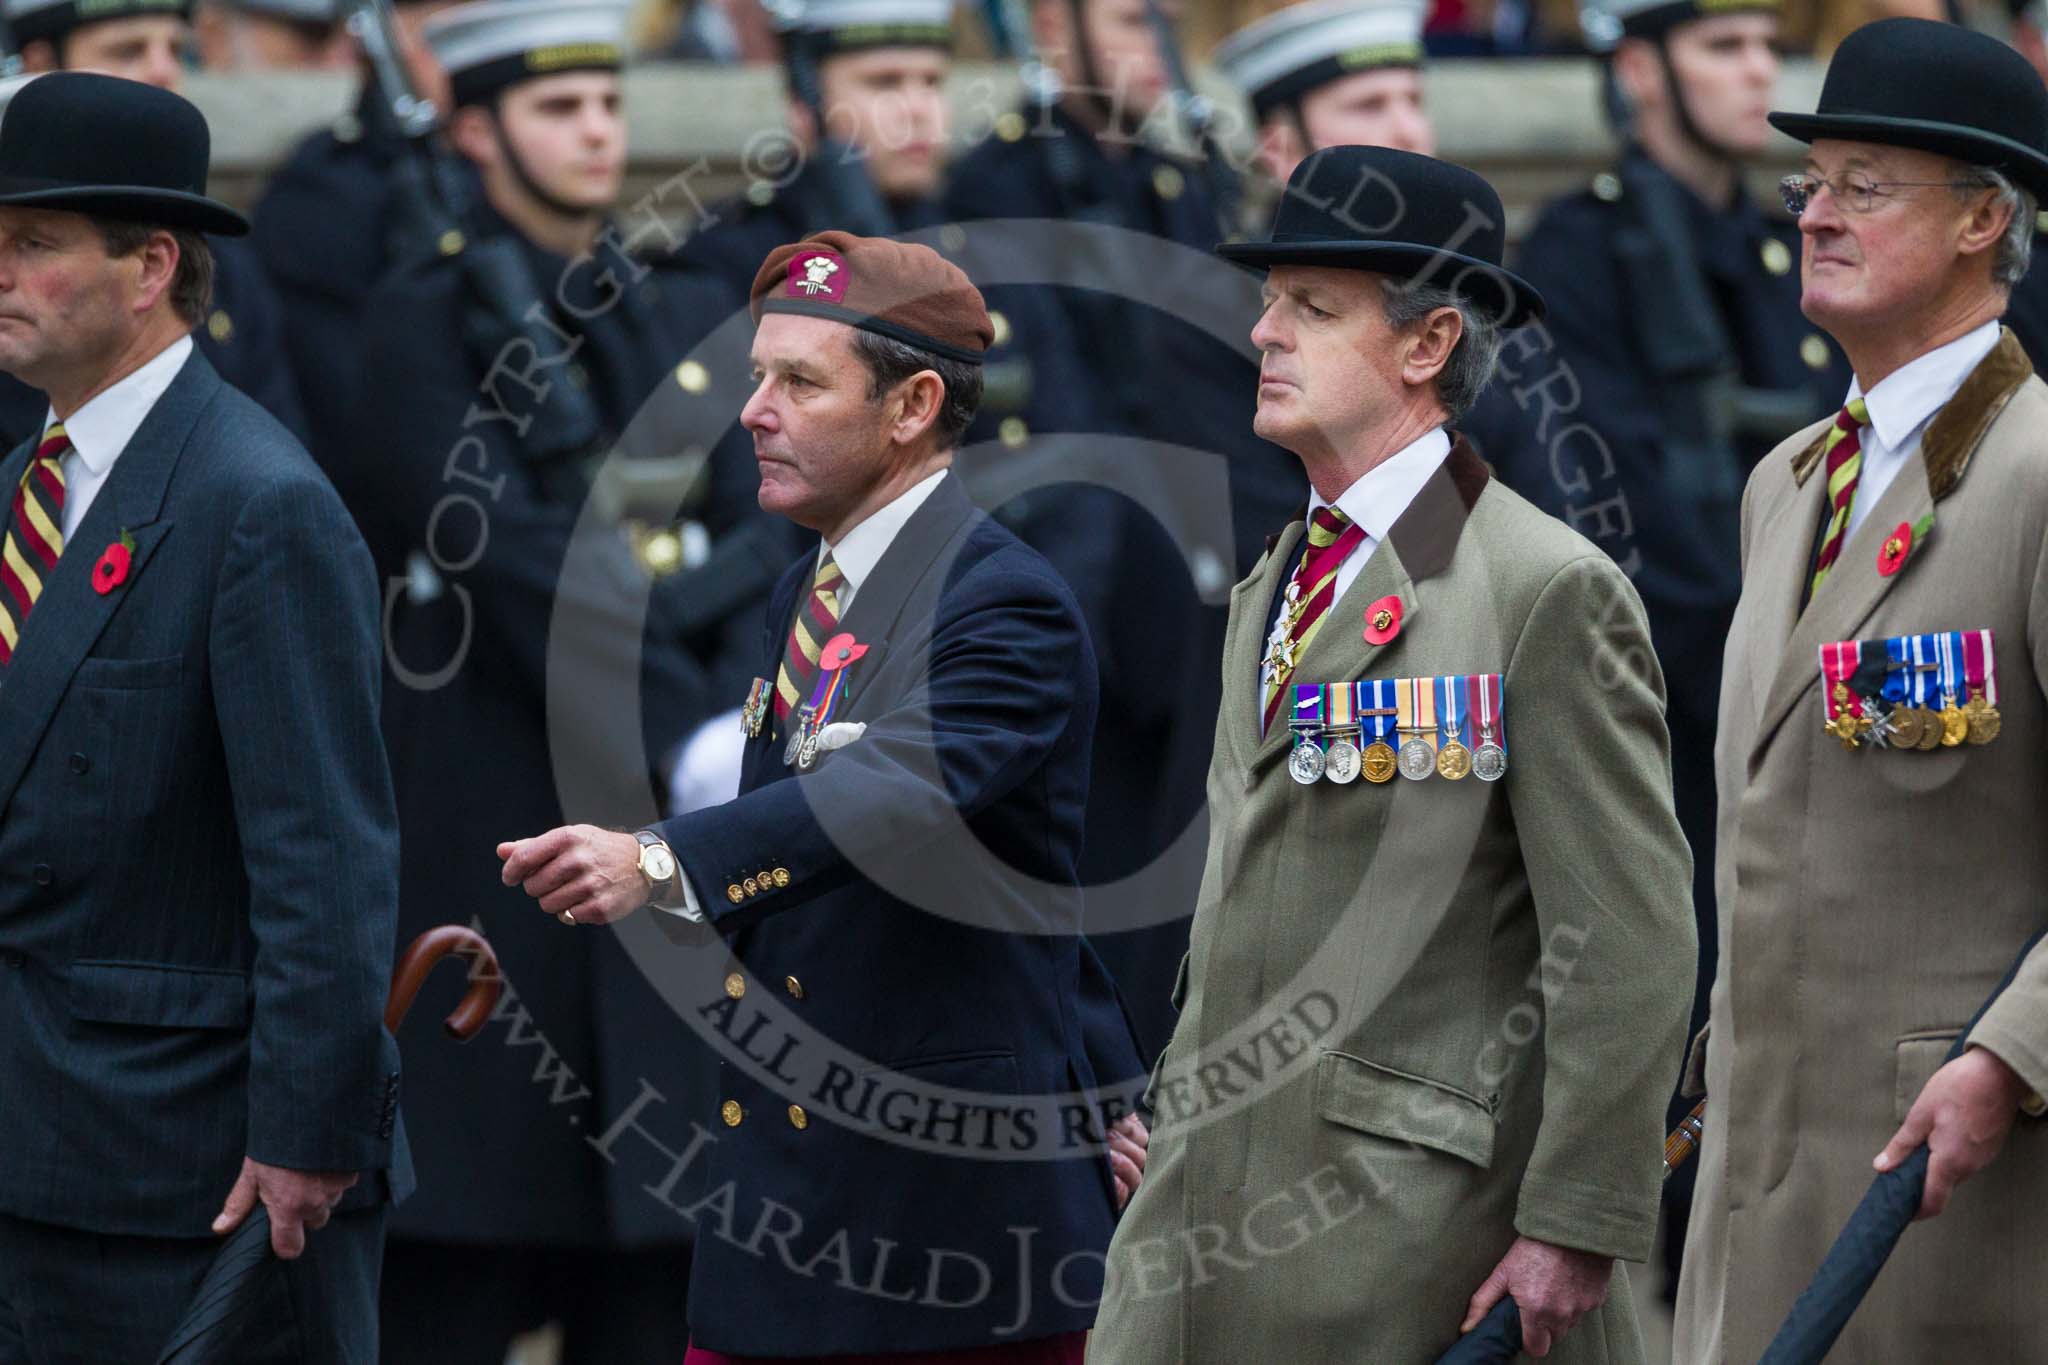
1101 365
243 332
1673 359
519 1218
324 232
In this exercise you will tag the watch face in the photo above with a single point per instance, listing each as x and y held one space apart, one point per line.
658 863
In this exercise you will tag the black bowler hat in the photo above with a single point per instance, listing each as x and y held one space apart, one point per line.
88 143
1401 214
1937 88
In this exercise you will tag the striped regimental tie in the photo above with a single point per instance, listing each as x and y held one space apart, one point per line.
35 537
1331 537
816 622
1844 452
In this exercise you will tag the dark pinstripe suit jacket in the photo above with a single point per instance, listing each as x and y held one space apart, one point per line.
198 850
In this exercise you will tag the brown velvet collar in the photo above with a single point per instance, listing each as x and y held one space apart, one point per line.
1956 431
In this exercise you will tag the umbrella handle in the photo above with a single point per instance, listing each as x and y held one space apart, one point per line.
417 961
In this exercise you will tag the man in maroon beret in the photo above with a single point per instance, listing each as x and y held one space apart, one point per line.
913 1159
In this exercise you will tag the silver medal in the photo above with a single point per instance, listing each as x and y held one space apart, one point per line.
1417 760
1305 765
800 725
1489 762
1342 761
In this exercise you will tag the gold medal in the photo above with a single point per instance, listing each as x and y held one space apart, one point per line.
1847 725
1378 762
1931 729
1955 726
1453 761
1903 726
1982 718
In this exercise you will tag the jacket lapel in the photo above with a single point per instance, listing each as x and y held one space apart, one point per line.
1419 546
901 575
1854 588
70 615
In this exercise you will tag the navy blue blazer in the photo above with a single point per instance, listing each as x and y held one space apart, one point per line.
965 793
198 848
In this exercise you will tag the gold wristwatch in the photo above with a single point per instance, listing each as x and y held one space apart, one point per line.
658 866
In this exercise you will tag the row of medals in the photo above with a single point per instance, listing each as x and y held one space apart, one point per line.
1344 762
1906 726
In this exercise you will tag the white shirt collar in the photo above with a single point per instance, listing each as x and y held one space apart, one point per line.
102 429
1903 400
860 549
1379 497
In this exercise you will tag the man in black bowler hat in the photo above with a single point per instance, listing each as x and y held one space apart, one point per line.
1433 1002
242 334
195 811
1870 901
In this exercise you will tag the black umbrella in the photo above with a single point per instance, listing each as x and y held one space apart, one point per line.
1498 1337
217 1313
1867 1239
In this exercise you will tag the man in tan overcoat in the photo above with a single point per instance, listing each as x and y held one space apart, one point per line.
1881 854
1442 956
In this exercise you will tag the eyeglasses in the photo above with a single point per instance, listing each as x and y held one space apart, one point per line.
1853 191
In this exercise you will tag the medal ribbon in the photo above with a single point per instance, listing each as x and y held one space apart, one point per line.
1837 665
1422 714
1340 707
1922 649
1451 703
1897 683
1308 709
1949 650
1493 697
1382 698
823 696
1980 669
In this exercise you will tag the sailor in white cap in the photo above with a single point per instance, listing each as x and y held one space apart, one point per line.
272 35
1332 73
539 109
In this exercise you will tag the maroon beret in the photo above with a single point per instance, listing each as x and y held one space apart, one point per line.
908 293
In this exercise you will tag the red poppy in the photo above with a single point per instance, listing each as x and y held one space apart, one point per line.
112 570
1383 620
839 651
1893 552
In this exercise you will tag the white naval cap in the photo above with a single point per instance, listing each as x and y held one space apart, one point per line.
296 11
847 25
1607 22
29 20
1278 59
489 44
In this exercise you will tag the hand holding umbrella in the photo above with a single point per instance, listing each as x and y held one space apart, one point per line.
229 1290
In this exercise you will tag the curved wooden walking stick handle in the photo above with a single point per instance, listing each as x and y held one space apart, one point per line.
417 962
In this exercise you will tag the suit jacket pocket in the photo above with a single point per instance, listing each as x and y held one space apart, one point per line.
1394 1104
159 996
130 675
1920 1055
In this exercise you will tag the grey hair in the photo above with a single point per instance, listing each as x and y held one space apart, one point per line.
1470 369
890 362
2016 248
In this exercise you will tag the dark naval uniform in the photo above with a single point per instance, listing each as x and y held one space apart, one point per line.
241 337
2027 310
1580 424
1103 364
322 231
504 1127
